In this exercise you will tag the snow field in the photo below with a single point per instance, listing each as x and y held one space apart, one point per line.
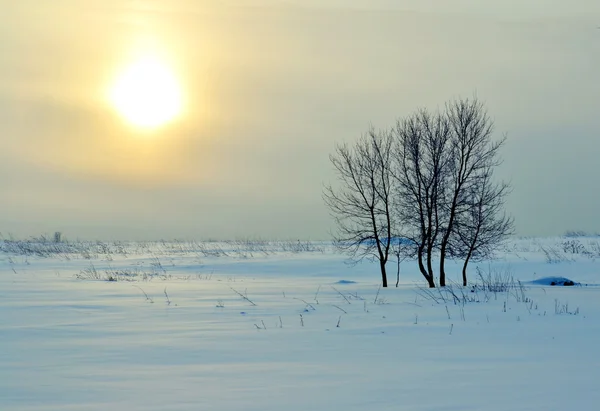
68 343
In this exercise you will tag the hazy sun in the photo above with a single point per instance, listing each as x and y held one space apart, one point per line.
147 94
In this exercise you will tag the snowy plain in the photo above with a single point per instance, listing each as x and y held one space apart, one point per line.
258 325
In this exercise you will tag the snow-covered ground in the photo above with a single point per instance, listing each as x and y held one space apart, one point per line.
288 326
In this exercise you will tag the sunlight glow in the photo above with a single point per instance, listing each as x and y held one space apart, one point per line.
147 94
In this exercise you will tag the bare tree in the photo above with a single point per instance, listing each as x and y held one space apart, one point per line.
484 225
473 152
361 205
421 161
402 250
425 184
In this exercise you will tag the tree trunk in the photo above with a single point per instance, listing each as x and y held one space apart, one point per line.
429 278
398 273
383 274
447 234
442 264
464 270
430 266
469 254
444 247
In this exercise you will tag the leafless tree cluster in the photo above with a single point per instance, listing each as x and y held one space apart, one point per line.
423 189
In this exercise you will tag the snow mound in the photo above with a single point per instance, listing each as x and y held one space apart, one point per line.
555 281
346 282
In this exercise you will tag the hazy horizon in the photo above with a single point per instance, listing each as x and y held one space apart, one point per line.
269 87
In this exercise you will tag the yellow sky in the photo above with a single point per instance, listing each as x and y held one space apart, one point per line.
267 88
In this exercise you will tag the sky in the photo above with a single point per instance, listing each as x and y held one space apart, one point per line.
267 89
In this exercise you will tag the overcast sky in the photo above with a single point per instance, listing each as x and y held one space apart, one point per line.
269 88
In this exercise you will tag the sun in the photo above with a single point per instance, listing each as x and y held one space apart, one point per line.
146 94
